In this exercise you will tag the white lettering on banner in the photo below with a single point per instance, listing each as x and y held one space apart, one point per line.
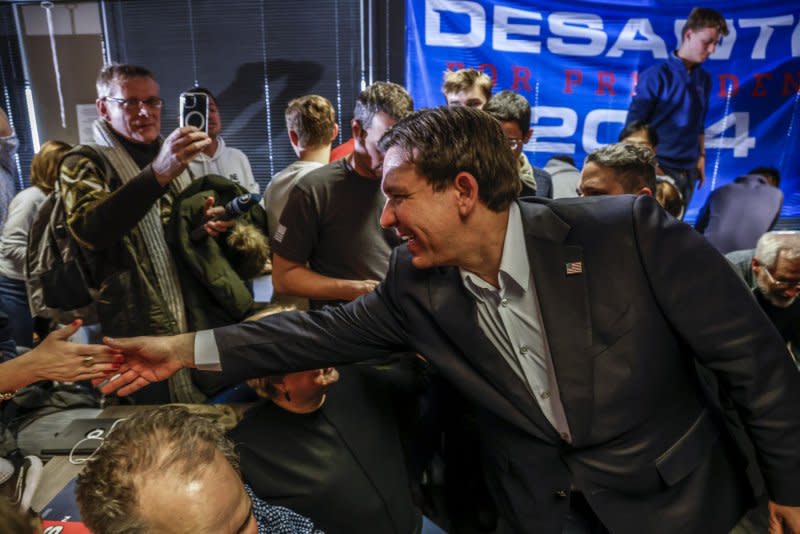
796 40
766 30
514 30
568 126
628 40
503 27
725 46
592 122
578 26
741 142
552 138
434 36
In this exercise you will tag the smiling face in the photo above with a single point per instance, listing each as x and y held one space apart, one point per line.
427 220
698 45
140 124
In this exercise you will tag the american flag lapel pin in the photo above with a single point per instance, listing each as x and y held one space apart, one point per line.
574 267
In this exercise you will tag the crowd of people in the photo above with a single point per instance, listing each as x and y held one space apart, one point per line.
447 344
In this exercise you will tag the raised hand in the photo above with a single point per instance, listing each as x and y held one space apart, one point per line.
179 148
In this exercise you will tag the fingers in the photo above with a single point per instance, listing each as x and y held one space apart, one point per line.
133 387
122 344
117 381
65 332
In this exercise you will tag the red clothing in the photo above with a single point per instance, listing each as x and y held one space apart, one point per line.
343 150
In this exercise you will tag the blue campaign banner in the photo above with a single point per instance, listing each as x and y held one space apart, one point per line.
577 63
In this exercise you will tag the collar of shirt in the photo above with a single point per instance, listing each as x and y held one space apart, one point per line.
514 267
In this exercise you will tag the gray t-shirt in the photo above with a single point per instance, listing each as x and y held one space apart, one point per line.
331 222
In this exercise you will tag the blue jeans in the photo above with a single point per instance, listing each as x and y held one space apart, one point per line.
14 300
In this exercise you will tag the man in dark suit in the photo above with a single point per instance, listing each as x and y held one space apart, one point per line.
572 327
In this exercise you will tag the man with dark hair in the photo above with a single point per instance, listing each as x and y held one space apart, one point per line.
170 471
737 214
467 87
118 193
673 98
619 169
514 113
596 423
327 245
639 133
219 158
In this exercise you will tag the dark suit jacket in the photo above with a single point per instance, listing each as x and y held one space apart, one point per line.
653 297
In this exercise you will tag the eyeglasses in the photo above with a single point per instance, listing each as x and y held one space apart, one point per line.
515 144
134 103
781 285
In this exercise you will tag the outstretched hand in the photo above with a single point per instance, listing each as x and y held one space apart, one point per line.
148 359
783 519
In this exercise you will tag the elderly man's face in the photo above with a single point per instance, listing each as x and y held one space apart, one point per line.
427 220
779 285
211 500
598 180
137 119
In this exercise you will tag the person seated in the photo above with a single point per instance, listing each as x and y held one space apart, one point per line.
772 271
619 169
514 113
14 239
55 358
565 175
302 448
669 196
219 158
170 471
735 215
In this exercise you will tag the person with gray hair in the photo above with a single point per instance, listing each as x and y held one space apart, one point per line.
619 169
169 470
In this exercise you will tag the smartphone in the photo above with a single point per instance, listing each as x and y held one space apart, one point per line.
194 110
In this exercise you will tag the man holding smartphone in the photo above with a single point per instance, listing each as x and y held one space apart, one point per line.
219 158
117 193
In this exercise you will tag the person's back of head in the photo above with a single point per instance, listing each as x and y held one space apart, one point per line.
154 447
639 132
382 97
770 174
620 168
508 106
474 85
45 163
312 119
669 197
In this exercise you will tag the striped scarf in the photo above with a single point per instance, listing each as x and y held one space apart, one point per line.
152 229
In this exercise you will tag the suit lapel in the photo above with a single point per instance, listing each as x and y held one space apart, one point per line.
454 309
558 274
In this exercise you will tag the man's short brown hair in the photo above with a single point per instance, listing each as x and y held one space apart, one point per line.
456 81
115 72
382 97
634 166
705 17
167 438
441 142
312 118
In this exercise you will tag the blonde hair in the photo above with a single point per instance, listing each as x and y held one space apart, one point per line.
456 81
312 118
45 163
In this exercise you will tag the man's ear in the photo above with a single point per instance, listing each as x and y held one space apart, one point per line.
466 188
645 191
294 138
358 131
102 108
335 131
755 266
